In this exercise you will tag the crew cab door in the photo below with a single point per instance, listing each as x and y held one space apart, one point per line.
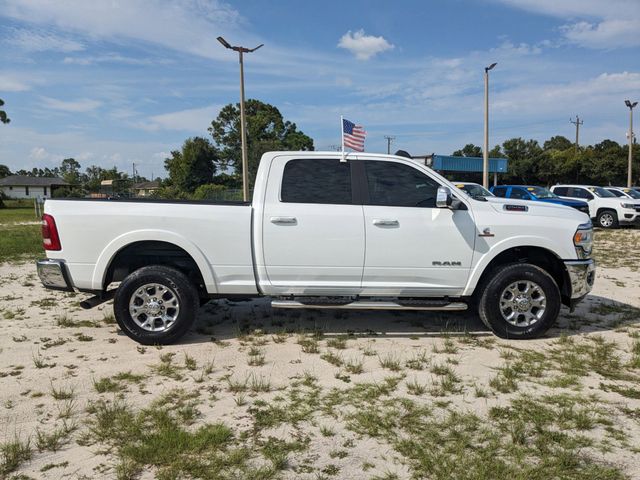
412 247
312 228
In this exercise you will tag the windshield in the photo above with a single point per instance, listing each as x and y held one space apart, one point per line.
602 192
474 190
540 192
631 193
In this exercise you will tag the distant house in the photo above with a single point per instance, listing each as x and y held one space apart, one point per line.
145 189
21 186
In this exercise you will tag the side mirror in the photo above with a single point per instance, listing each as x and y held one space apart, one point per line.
443 197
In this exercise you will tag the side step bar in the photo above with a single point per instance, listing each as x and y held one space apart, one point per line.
374 305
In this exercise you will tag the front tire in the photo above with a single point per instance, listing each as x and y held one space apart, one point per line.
520 301
608 219
156 305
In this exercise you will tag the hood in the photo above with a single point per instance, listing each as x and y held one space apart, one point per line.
542 209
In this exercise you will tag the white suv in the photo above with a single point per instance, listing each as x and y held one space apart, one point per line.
607 209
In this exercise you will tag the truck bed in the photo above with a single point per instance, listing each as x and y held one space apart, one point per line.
217 235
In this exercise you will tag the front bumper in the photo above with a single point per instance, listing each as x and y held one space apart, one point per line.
54 275
581 275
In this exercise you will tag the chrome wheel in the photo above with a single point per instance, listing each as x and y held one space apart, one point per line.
606 220
522 303
154 307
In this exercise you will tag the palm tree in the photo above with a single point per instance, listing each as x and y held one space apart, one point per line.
3 114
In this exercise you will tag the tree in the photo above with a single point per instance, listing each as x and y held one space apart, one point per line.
3 115
266 131
192 166
70 171
469 150
557 143
4 171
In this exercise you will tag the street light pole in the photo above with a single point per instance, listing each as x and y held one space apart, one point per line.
243 128
485 150
630 105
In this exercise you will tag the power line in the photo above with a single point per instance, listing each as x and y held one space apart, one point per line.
577 123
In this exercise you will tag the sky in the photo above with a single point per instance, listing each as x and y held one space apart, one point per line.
117 82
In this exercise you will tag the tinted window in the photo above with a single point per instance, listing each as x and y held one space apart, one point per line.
519 193
316 181
399 185
617 193
500 191
562 191
580 193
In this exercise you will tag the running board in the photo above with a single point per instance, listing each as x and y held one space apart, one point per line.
374 305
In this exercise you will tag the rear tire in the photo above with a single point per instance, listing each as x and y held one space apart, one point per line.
156 305
608 219
520 301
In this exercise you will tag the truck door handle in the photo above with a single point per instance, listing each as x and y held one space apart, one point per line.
284 220
385 223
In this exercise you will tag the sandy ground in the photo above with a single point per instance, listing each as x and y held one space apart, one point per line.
38 355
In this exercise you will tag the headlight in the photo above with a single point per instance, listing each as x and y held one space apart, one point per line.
583 240
628 205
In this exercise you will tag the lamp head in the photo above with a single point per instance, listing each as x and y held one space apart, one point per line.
490 67
224 42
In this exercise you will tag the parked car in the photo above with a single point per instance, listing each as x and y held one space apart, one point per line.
539 194
301 241
473 189
607 209
624 192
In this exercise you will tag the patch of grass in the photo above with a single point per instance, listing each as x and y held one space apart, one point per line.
14 453
256 357
354 366
106 384
51 441
308 344
62 393
65 321
332 358
20 242
339 342
416 388
628 392
391 362
40 362
156 438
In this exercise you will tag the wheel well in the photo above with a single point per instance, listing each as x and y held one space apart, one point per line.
141 254
541 257
603 209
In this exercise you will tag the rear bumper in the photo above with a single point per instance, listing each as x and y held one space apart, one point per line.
581 275
54 275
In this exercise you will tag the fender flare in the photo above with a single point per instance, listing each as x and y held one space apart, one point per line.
503 246
111 250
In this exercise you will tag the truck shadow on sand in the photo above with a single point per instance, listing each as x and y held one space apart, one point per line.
224 320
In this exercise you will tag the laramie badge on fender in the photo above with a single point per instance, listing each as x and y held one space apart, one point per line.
446 264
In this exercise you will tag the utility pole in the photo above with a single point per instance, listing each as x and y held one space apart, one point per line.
577 123
243 127
389 139
485 150
631 106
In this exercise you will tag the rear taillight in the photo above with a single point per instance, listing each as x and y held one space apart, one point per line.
50 238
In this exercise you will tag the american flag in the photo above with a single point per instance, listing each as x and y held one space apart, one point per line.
353 135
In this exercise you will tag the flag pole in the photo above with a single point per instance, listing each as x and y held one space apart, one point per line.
342 159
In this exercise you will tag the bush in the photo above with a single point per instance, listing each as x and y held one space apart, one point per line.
209 191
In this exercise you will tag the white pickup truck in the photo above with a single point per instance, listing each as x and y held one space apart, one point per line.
371 232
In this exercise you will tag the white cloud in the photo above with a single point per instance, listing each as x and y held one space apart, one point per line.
41 41
364 46
181 25
606 34
602 23
195 120
10 83
81 105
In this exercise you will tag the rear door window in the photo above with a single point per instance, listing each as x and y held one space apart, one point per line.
500 191
316 181
519 193
561 191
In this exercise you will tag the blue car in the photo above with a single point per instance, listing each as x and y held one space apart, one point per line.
538 194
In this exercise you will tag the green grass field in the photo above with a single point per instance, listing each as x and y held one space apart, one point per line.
19 241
